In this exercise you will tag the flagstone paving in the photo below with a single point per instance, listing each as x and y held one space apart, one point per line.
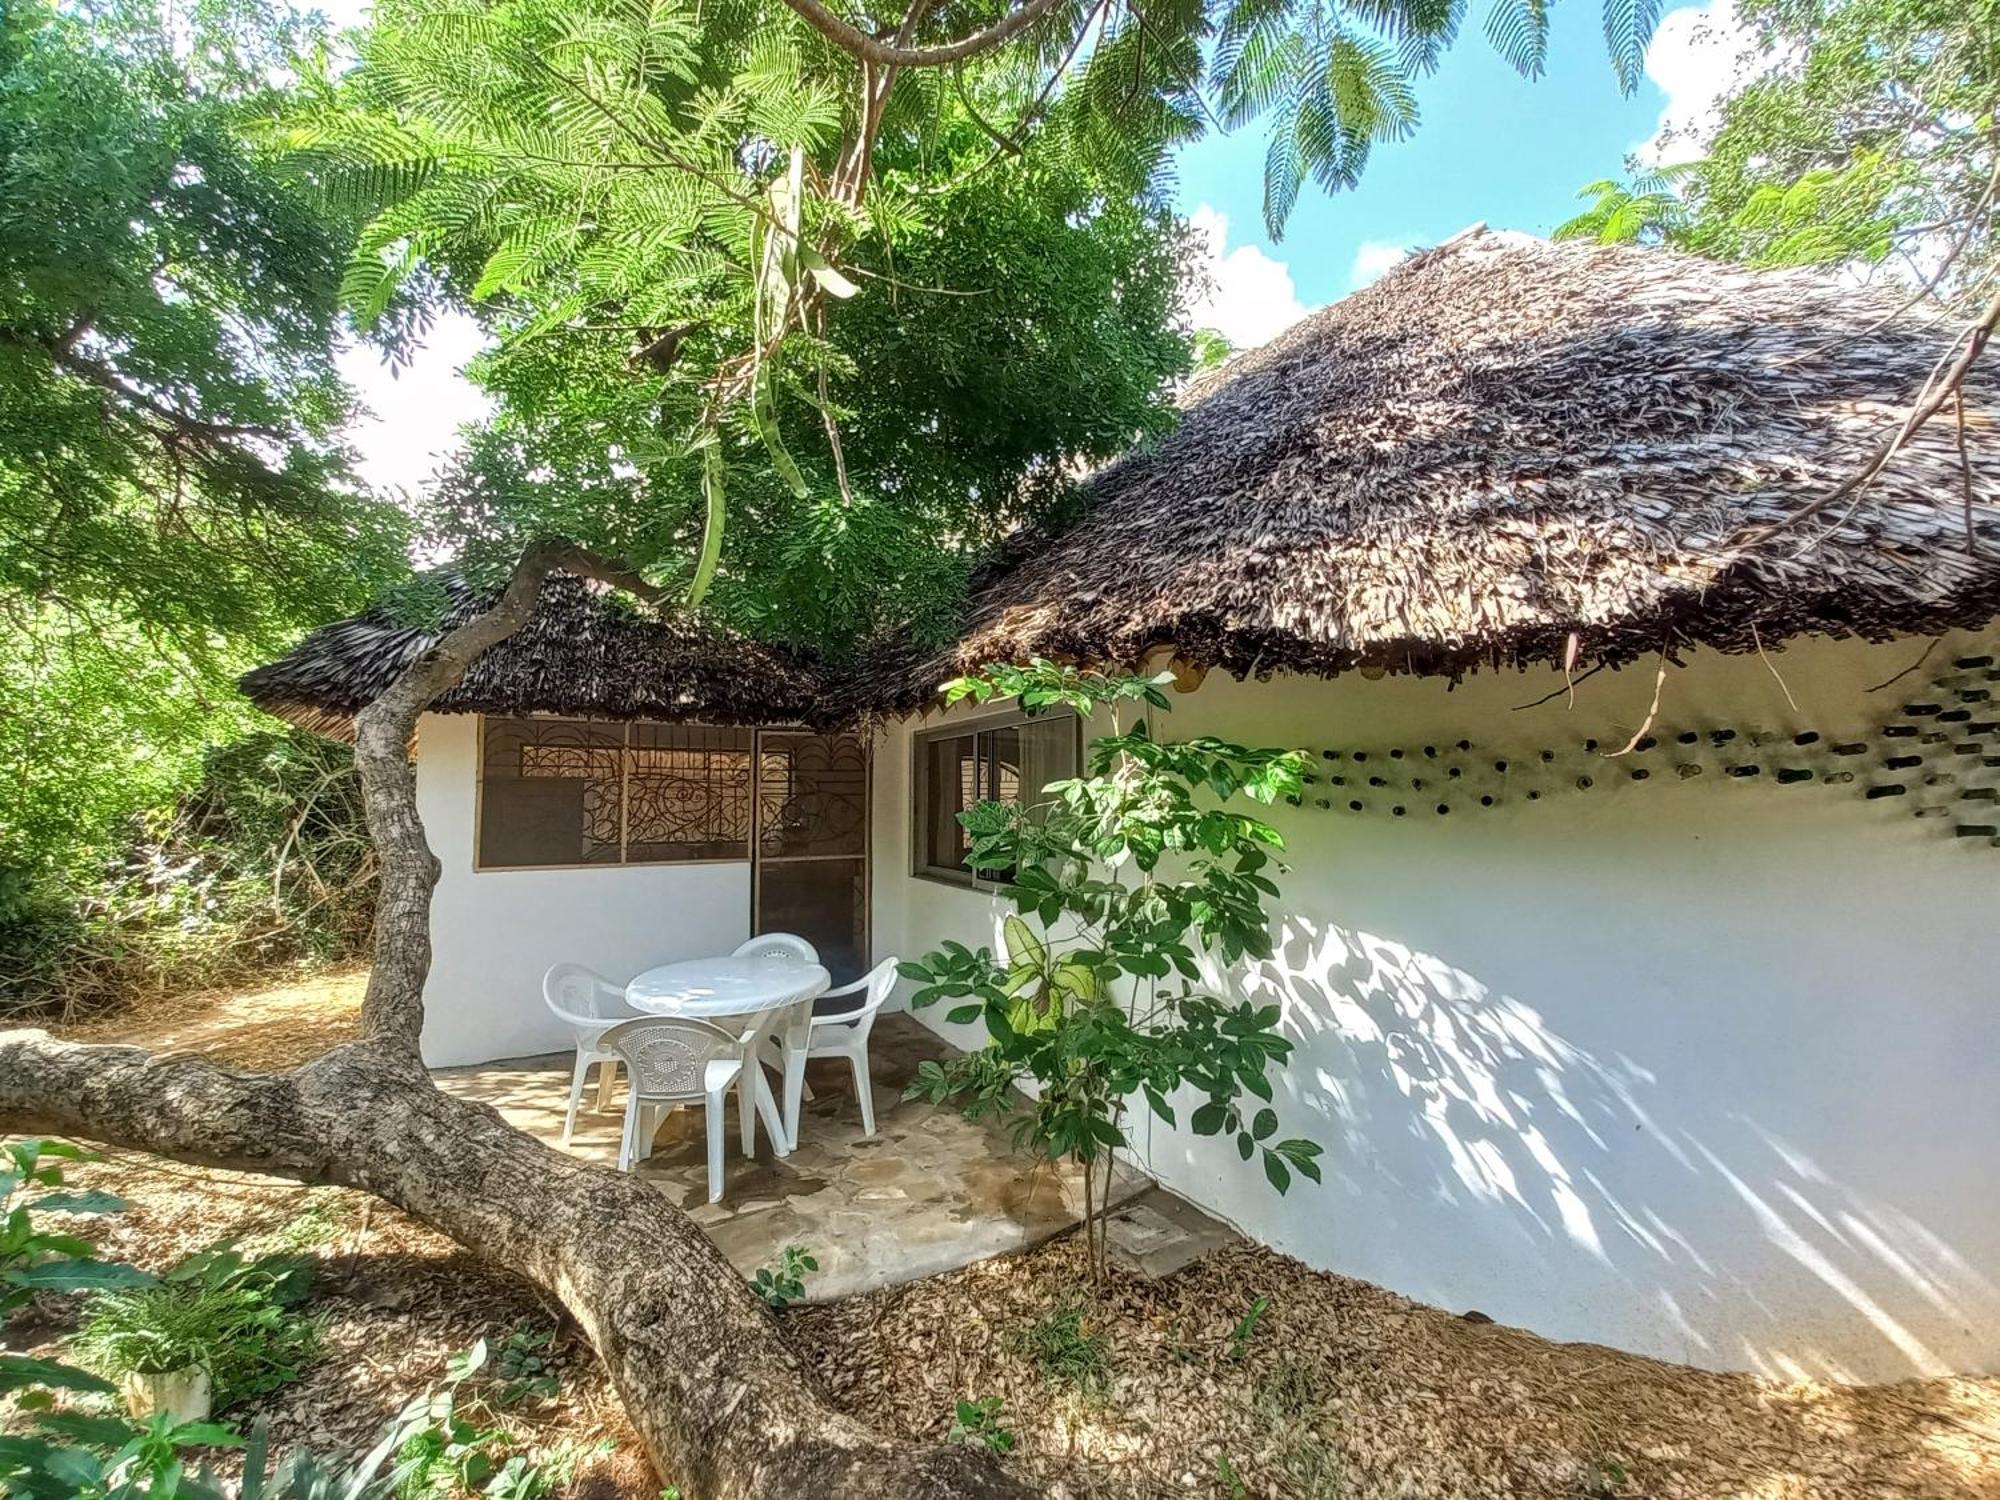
929 1192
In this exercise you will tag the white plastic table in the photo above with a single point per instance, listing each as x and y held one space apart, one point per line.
710 987
771 988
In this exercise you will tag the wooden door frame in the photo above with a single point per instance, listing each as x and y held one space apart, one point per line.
866 856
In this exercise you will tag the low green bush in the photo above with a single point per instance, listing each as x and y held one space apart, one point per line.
237 1319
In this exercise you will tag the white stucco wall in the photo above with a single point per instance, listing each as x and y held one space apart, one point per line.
496 932
1704 1068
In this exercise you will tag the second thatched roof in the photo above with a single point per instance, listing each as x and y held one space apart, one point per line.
1505 444
580 654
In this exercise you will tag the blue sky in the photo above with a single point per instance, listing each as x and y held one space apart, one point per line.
1491 146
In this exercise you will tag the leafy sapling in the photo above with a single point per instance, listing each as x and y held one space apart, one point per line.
785 1283
978 1423
1130 885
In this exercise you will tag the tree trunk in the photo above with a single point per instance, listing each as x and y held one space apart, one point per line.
724 1406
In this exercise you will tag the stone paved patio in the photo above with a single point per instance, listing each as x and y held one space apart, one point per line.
931 1191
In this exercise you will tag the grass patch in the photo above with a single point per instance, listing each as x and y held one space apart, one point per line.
1287 1404
1070 1353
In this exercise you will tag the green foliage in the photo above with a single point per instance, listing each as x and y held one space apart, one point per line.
1134 875
237 1319
784 1283
522 1368
35 1258
448 1442
265 862
1860 133
1070 1353
174 495
1239 1336
978 1423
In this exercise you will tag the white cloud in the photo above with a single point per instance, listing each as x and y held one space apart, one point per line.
1695 55
413 415
1373 259
1250 299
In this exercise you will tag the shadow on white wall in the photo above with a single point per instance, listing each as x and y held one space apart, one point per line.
1493 1157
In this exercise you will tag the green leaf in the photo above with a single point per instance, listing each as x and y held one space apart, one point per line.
18 1370
1264 1124
1274 1168
77 1275
79 1203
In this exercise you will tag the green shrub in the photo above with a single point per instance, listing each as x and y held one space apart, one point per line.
785 1283
235 1318
265 863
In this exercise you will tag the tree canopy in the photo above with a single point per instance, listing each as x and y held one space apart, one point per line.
1858 132
810 313
173 490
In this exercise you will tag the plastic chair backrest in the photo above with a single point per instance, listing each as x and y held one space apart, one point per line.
581 996
785 944
881 983
669 1055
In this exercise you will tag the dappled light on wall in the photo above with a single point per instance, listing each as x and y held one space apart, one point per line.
1503 1163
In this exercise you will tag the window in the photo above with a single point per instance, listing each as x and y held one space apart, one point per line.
1007 760
574 792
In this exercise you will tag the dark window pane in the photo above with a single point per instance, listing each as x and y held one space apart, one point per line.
549 793
824 902
1007 763
814 794
951 785
688 794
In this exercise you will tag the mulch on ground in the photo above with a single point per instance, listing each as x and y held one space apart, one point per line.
1344 1389
1340 1388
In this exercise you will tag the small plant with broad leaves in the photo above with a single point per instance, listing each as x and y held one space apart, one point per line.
523 1369
978 1423
35 1258
785 1283
1124 883
449 1442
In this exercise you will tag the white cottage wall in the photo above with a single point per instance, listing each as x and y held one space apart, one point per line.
496 932
1703 1068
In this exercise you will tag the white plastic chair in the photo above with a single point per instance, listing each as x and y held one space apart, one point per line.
838 1027
676 1060
785 944
589 1004
793 948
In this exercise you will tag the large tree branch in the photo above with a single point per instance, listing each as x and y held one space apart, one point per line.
393 1008
724 1406
896 54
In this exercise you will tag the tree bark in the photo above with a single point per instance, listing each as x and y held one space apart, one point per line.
725 1407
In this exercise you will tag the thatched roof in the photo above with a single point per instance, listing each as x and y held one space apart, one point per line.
581 654
1506 441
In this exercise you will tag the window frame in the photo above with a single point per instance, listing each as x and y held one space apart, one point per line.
976 725
479 867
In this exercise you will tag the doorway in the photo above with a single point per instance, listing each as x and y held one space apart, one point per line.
809 842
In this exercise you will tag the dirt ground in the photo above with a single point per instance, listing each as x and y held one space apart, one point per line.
1339 1389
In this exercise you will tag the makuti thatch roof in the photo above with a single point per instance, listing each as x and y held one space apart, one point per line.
581 654
1503 442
